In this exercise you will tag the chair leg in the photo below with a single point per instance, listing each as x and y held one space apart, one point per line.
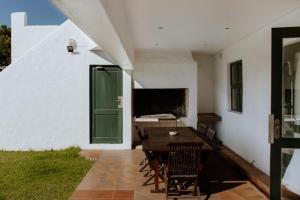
198 194
161 177
142 162
195 188
147 174
148 180
204 181
144 167
151 177
167 187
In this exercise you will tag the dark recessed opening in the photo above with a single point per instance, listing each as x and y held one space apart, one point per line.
159 101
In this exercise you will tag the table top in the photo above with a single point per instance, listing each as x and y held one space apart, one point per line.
159 138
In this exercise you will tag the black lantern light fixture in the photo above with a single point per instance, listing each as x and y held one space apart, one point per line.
72 46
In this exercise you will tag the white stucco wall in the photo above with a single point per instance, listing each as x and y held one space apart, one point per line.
247 133
159 69
205 82
24 37
44 98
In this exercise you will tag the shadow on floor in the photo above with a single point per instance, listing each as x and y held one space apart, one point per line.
220 175
118 171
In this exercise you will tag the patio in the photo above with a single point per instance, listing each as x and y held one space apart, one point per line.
115 176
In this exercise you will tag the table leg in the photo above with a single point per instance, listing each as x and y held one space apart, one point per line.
156 178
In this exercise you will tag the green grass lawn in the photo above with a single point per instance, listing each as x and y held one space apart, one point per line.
46 175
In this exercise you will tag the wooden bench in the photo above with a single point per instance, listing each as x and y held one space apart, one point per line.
257 177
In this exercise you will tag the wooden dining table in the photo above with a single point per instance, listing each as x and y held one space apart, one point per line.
157 141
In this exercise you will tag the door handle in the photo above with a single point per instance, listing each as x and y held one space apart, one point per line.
277 128
274 129
120 101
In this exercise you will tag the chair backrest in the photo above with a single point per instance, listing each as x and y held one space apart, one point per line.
136 128
167 122
184 159
139 134
202 129
142 138
210 134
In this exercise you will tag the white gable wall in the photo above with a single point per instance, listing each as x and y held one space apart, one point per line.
44 98
25 37
247 133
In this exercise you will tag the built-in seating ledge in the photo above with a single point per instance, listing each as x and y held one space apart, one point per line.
257 177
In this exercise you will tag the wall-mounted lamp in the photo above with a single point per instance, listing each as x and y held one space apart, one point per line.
70 49
72 46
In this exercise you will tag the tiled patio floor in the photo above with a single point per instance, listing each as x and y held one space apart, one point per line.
115 176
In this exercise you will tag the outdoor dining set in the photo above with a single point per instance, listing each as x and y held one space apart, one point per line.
176 157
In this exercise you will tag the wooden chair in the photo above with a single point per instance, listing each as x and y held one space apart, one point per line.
141 138
184 166
138 131
167 122
210 134
138 144
149 160
202 128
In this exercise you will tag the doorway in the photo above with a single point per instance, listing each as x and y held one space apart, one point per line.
285 118
105 104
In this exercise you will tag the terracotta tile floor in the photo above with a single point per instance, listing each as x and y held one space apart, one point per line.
115 176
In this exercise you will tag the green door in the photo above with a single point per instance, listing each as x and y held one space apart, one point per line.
106 105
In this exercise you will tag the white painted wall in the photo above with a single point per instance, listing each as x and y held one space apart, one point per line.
44 95
159 69
205 82
247 133
25 37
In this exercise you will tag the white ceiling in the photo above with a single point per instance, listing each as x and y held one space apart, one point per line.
199 25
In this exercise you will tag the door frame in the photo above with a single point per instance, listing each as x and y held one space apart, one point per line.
91 100
276 107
